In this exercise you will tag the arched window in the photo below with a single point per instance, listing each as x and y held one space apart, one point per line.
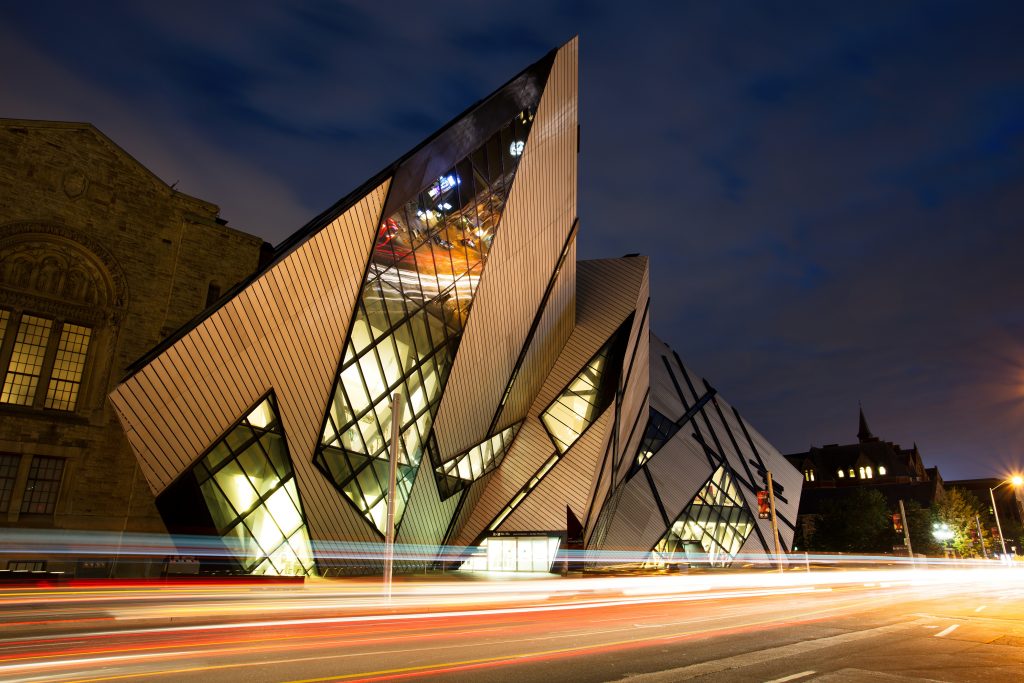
59 292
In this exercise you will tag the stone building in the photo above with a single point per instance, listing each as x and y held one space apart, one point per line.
833 471
99 261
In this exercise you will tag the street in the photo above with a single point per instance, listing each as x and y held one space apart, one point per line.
842 625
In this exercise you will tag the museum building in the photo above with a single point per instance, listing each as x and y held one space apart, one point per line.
538 412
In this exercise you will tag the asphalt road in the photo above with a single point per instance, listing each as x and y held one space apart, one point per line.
936 624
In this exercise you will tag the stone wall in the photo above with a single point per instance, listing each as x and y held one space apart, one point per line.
90 237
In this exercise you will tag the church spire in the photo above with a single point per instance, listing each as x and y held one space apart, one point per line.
864 433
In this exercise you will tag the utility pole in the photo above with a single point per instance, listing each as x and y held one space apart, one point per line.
906 532
999 527
981 539
775 522
389 536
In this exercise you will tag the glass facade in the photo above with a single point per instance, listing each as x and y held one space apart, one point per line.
248 485
659 430
423 274
460 472
713 526
588 394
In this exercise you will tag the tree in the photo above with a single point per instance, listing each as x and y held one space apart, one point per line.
919 521
858 522
959 510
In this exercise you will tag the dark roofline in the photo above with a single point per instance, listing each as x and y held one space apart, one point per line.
325 218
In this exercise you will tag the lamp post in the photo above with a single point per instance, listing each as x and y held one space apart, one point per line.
1015 481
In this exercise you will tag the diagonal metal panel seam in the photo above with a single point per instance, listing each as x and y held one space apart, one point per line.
293 317
567 483
540 211
602 304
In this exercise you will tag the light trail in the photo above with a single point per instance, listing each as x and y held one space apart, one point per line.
133 629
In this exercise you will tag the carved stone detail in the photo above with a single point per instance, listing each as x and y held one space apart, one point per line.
75 183
55 262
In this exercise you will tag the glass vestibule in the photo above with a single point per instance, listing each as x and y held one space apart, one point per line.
514 554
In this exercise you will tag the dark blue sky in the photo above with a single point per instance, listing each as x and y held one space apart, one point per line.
832 194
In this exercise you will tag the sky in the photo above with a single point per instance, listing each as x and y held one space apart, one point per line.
831 194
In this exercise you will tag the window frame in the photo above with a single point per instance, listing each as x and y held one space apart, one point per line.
57 325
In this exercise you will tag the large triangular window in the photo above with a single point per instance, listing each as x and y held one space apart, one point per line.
424 271
588 394
712 528
248 486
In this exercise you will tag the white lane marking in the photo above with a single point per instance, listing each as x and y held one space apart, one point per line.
791 677
930 626
946 631
981 608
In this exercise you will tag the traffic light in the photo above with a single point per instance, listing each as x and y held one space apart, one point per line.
897 523
763 505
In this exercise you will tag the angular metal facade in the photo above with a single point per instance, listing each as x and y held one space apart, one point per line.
537 403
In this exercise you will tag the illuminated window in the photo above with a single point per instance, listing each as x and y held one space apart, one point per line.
530 485
66 378
8 473
861 471
588 394
47 361
513 554
248 485
712 528
474 463
26 361
809 475
881 470
867 471
43 486
659 430
841 474
425 266
852 474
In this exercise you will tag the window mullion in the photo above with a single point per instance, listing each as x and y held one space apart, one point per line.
48 359
13 323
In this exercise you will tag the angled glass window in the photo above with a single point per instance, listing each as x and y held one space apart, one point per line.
712 527
588 394
424 270
460 472
525 491
659 430
248 485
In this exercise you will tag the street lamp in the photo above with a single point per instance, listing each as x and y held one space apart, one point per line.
943 534
1014 481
